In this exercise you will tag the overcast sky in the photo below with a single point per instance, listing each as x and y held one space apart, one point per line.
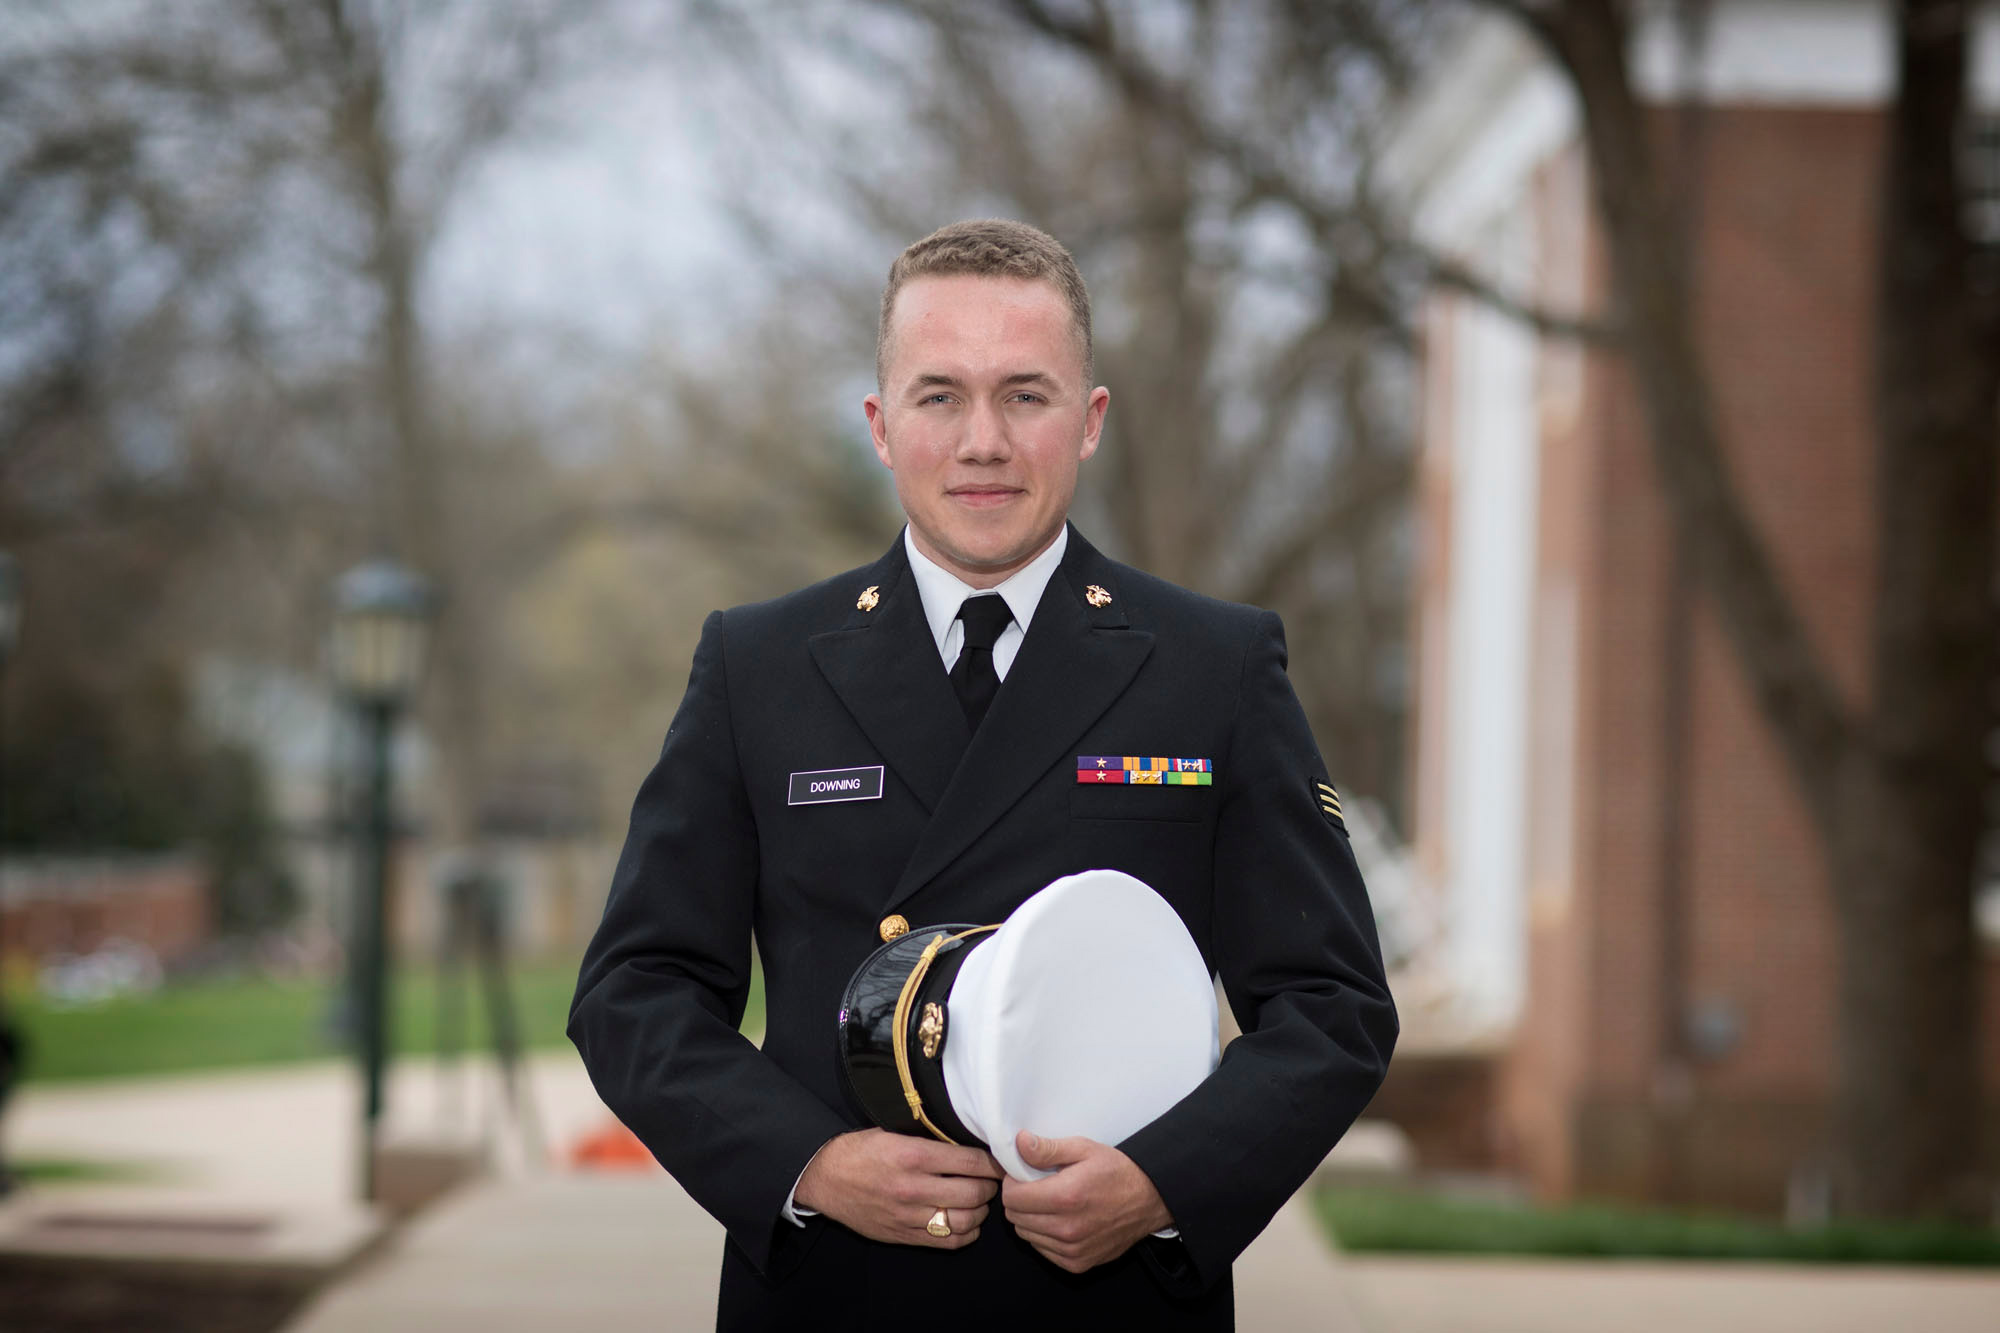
613 218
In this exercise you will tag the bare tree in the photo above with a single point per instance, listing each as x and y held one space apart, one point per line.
140 398
407 99
705 496
270 178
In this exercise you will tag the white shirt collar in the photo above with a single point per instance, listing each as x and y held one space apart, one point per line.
943 591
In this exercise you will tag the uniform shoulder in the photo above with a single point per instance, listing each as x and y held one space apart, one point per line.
1156 598
825 604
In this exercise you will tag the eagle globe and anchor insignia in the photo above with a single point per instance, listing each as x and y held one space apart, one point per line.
930 1032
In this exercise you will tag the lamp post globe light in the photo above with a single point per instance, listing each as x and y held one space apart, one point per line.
382 615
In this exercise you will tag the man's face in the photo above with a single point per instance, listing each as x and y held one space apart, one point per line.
984 416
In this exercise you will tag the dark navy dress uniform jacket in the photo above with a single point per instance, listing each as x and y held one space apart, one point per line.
966 828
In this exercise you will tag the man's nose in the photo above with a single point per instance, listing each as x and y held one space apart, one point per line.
985 439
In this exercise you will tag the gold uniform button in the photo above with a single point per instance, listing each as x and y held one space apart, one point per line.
894 927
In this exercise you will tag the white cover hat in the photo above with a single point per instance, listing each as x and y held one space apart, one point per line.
1089 1011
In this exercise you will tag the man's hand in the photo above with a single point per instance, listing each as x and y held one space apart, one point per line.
886 1186
1095 1207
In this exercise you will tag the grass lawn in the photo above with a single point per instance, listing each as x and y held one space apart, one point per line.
220 1024
1414 1221
76 1171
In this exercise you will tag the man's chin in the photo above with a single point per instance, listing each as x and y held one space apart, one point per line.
988 559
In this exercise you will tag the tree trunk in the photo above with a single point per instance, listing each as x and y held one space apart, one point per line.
1907 850
1906 1119
411 510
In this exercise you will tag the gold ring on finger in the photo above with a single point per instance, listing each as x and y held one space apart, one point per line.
939 1225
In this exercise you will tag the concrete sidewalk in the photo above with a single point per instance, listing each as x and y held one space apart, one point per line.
615 1254
637 1254
539 1248
531 1249
1503 1295
606 1253
289 1134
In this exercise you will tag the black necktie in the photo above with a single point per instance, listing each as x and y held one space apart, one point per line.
973 675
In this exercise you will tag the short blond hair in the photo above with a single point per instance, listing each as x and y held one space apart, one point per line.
988 248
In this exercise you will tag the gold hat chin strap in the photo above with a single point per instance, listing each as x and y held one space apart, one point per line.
900 1037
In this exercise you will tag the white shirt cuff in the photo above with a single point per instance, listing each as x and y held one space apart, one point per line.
796 1215
791 1212
1171 1233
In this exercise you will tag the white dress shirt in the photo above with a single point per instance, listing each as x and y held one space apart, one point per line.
943 592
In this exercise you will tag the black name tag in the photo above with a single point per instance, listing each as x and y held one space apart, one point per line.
836 784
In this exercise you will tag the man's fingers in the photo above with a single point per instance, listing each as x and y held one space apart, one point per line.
1041 1240
1025 1196
1054 1249
956 1192
964 1224
959 1219
1057 1195
1051 1153
947 1159
1051 1230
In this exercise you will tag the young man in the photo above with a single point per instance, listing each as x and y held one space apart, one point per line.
971 680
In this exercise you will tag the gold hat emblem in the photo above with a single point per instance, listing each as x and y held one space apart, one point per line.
1096 596
869 599
931 1031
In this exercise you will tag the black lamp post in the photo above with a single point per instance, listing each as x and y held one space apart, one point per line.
10 636
381 621
10 1041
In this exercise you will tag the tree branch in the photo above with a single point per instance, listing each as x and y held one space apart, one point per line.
1732 562
1096 40
1452 276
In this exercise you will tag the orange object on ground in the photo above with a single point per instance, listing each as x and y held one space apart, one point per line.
613 1148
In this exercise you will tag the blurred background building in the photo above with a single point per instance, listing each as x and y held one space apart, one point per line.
1637 967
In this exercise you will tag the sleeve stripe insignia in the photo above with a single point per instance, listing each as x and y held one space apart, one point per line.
1144 771
1329 801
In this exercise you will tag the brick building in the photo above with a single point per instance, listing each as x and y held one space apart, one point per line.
1633 898
52 907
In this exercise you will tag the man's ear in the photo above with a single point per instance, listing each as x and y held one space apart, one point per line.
878 427
1093 421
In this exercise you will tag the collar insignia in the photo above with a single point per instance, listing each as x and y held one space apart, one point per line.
1096 596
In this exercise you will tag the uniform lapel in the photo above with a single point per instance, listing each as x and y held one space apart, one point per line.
1075 661
884 665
